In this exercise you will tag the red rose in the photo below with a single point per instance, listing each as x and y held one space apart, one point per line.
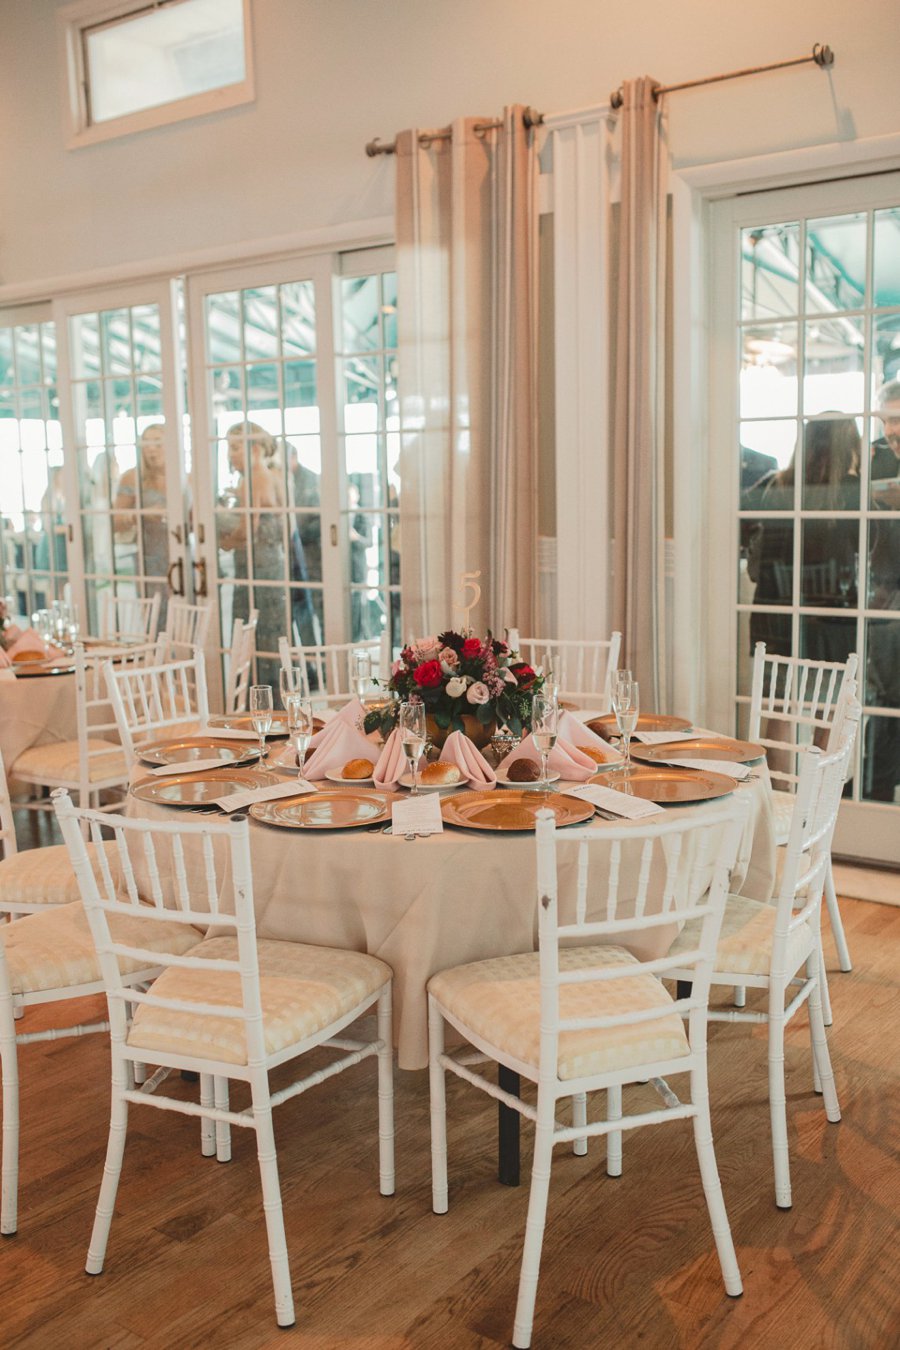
428 675
525 676
471 647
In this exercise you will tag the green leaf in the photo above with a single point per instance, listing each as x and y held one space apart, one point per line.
442 719
484 713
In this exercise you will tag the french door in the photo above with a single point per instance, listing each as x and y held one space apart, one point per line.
805 330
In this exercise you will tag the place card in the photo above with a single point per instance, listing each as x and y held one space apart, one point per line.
617 803
187 766
663 737
726 766
236 801
417 815
230 734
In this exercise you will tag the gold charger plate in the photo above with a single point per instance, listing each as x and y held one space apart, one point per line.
182 749
244 722
702 747
512 810
606 726
25 669
339 809
200 789
668 785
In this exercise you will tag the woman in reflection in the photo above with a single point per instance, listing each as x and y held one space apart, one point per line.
829 545
254 456
150 496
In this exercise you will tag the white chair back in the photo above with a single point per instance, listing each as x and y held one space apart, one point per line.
240 662
653 875
159 698
808 699
186 628
129 617
98 727
7 825
582 670
328 670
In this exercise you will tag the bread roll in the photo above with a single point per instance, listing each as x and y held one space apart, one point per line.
523 771
358 768
21 658
593 752
442 773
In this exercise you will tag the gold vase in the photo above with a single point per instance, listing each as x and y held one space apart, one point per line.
479 733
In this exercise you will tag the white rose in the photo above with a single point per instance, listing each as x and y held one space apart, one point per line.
456 686
478 693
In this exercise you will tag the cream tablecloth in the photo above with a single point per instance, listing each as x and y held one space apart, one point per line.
425 905
35 710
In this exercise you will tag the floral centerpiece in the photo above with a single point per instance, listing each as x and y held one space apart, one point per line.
459 676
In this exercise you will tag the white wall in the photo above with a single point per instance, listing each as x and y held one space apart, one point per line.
333 73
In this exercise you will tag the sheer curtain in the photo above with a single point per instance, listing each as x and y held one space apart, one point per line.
467 285
638 383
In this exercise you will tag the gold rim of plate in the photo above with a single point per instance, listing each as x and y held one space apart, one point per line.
34 669
669 786
187 790
341 809
167 751
606 725
512 811
702 747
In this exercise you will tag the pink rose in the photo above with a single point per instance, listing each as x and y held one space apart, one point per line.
478 693
426 649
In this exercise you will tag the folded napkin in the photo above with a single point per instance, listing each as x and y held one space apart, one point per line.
7 673
726 766
4 660
339 742
236 801
459 750
352 714
391 762
187 766
28 642
13 632
565 759
576 733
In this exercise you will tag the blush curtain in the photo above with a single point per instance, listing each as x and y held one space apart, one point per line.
638 385
467 336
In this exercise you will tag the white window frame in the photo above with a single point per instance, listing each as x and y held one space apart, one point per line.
74 19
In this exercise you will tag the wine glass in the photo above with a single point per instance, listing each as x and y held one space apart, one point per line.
544 726
626 706
412 738
300 725
290 683
362 673
261 714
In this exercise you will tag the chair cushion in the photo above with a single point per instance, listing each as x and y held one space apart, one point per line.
745 942
55 950
303 990
57 762
783 811
499 1000
44 876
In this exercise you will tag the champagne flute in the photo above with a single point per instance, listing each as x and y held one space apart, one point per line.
544 727
626 706
300 726
261 714
412 738
290 683
362 673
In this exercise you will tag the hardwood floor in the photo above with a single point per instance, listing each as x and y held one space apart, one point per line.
627 1262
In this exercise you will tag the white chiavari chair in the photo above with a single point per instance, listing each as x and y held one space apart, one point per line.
328 669
582 670
235 1007
186 630
777 946
806 701
575 1019
128 618
240 662
152 700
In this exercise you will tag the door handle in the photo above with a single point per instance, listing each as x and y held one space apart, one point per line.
200 578
176 566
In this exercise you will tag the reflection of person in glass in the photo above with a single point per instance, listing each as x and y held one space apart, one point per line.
145 486
306 549
831 456
254 456
883 644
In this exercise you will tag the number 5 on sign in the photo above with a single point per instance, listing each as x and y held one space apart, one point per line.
467 582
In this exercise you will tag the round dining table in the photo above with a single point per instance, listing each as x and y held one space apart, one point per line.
35 709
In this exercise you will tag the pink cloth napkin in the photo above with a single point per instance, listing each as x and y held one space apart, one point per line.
28 642
576 733
4 659
391 762
352 714
565 759
459 750
340 741
13 633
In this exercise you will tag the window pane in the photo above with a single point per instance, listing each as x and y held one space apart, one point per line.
28 354
115 338
828 638
298 318
769 548
884 562
771 259
260 323
389 309
360 309
829 562
833 380
84 337
887 256
145 333
835 264
223 328
164 55
765 447
831 458
886 354
769 371
881 759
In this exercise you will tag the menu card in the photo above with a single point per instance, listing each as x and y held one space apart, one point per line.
187 766
236 801
663 737
726 766
618 803
417 815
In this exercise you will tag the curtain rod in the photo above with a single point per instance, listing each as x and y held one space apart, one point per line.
531 117
822 55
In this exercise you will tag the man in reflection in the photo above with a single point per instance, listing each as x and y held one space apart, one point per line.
306 549
883 663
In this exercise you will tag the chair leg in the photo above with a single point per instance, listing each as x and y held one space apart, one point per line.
579 1117
777 1104
822 1057
10 1146
438 1093
271 1194
837 926
614 1138
535 1222
740 996
712 1187
386 1182
112 1170
207 1124
223 1129
823 984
